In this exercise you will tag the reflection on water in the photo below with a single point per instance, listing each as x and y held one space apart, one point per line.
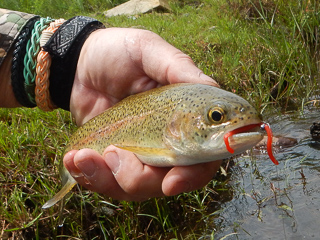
276 202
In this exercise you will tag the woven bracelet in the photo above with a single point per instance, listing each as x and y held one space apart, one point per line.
64 47
42 94
17 79
33 48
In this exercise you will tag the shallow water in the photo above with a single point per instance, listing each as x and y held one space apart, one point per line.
276 202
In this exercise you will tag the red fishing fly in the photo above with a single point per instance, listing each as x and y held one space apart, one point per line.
247 128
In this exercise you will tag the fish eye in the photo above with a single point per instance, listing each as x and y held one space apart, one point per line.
216 115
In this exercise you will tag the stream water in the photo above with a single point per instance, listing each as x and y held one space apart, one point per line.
276 202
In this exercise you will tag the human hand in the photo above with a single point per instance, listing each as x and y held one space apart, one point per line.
113 64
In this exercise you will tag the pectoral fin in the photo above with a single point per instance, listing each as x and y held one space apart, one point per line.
65 189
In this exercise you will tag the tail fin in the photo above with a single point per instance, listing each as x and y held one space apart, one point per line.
65 189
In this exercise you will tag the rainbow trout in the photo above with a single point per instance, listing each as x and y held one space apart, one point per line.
174 125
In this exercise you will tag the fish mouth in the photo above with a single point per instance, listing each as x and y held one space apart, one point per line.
243 138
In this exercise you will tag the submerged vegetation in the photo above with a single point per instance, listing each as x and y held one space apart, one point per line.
266 51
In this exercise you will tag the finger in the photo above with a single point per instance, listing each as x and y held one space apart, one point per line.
135 178
69 164
89 169
189 178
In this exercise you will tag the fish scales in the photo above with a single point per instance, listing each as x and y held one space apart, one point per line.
148 111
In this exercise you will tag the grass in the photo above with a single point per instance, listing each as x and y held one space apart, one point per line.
265 51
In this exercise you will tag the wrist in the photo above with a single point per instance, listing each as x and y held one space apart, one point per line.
65 53
7 98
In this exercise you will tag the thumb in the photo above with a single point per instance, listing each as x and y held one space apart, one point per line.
183 70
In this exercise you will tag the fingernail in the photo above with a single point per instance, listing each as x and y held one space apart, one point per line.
87 167
113 162
208 79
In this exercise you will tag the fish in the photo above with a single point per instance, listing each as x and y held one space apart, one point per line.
173 125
